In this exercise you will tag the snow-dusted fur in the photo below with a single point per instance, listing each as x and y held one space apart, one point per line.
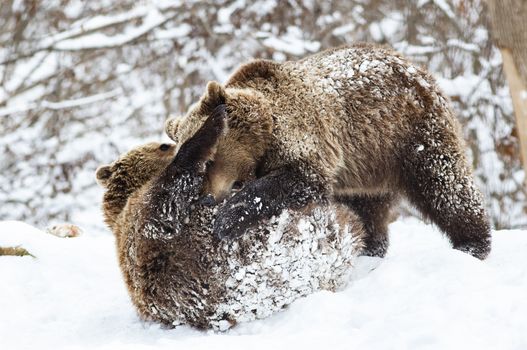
192 278
178 272
362 123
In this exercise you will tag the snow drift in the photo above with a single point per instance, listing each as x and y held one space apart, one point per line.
422 295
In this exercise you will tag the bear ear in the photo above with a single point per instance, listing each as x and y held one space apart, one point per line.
216 95
103 174
171 127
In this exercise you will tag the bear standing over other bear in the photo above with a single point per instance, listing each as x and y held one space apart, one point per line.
177 272
361 125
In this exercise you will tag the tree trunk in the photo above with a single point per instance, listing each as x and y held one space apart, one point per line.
519 99
509 22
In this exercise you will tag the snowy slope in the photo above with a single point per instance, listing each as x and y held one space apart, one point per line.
423 295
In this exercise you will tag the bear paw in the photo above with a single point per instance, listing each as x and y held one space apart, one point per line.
232 223
375 247
478 249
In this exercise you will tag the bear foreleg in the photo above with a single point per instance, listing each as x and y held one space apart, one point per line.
265 197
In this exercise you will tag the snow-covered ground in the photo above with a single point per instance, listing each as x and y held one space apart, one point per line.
423 295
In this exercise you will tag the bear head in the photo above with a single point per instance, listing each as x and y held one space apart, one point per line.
129 173
246 140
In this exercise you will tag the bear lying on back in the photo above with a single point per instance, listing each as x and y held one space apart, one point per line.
360 124
177 272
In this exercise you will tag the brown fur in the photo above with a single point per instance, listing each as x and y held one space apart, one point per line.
364 120
126 176
177 272
126 180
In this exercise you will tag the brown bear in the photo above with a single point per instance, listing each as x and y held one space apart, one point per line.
177 271
360 124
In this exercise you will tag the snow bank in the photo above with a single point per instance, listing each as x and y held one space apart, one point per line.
422 295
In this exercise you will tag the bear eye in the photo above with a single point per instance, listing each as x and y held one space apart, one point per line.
209 163
237 185
164 147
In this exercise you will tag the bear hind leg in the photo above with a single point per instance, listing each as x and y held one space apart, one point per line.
439 183
375 211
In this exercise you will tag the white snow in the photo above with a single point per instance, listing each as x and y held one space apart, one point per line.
422 295
97 40
386 28
414 50
464 85
63 104
174 33
292 42
463 45
93 24
344 29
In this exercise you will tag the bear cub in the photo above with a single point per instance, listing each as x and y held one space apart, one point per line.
360 124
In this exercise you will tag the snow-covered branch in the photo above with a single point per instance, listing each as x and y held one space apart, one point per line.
153 19
79 102
89 34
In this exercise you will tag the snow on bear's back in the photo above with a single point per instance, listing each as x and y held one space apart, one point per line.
196 279
291 256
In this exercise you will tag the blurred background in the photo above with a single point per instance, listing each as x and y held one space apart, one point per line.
83 81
